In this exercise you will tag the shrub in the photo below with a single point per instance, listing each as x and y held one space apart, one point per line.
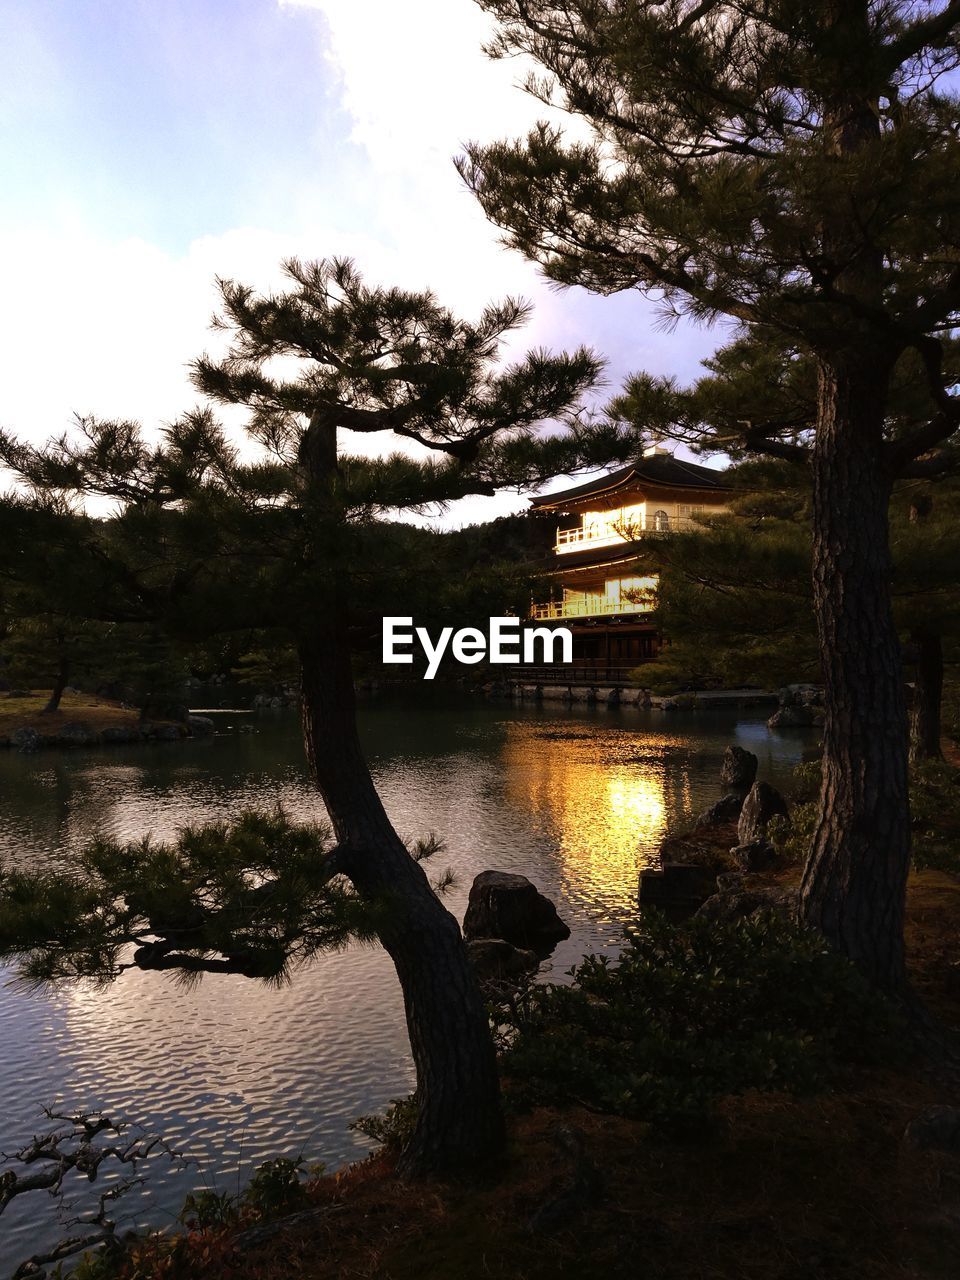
692 1012
394 1127
793 836
935 812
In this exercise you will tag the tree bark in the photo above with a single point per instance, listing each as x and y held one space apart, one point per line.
854 883
459 1120
927 694
60 683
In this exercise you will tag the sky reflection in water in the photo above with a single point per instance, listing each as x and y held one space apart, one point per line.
232 1073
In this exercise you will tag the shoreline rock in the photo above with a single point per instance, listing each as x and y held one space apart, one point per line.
738 771
499 965
510 907
78 733
762 803
676 887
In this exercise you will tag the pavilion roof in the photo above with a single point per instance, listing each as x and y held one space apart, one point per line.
658 469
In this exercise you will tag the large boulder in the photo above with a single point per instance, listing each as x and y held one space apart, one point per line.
763 802
739 770
737 899
757 855
201 726
800 695
510 907
76 734
796 717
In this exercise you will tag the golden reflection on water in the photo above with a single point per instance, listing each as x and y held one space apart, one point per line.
603 799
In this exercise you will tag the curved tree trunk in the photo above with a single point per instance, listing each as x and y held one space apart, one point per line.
459 1121
60 683
927 695
459 1118
854 883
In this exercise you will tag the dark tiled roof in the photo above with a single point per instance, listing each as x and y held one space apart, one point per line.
660 468
588 558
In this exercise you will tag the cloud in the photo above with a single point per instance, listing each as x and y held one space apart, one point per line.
94 324
415 81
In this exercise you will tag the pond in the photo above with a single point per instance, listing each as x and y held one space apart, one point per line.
232 1073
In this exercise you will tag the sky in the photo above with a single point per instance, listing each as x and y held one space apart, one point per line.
147 146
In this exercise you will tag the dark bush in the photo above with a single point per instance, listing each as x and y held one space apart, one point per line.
689 1013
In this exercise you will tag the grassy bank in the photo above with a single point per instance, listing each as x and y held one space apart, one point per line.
82 719
28 713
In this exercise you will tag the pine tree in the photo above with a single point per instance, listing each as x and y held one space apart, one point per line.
761 377
734 600
794 166
293 541
735 596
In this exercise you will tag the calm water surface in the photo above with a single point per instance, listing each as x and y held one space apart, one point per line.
231 1073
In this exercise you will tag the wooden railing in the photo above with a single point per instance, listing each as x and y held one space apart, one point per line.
598 535
557 610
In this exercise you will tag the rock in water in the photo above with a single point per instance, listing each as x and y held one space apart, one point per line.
507 906
499 964
739 769
724 811
763 803
795 717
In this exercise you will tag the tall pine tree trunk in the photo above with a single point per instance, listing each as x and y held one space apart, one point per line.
854 884
459 1121
927 648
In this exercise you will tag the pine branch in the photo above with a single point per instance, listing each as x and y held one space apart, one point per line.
926 33
942 425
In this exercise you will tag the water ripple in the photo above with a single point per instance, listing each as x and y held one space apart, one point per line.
232 1074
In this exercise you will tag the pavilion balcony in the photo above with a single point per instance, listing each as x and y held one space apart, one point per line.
603 535
591 607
